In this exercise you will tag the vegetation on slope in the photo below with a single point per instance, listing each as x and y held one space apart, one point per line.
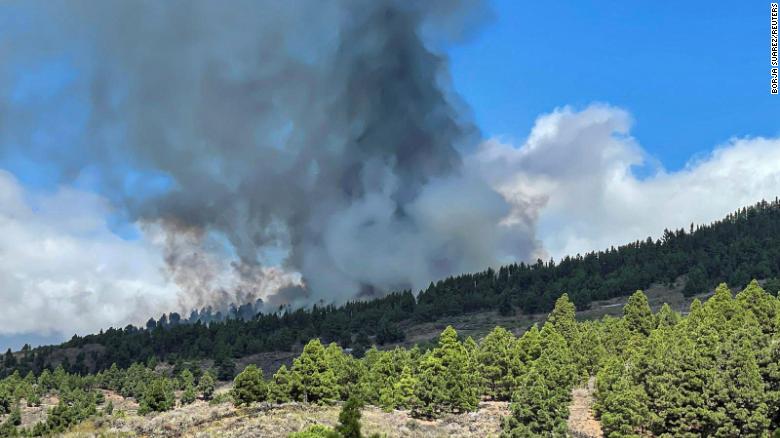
712 372
744 245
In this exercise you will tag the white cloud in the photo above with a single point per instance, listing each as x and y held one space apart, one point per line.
62 270
574 174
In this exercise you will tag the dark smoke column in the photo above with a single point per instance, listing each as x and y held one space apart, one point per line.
270 139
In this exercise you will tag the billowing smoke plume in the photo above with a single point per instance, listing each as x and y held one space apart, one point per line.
270 143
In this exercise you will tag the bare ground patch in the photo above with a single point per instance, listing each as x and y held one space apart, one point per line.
582 422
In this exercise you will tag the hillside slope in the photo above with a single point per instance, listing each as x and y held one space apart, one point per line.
709 371
744 245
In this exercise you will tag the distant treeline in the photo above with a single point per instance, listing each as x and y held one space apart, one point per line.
744 245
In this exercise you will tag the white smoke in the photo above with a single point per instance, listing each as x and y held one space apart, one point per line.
62 269
576 173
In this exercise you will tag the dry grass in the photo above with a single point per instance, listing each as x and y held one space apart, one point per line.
263 420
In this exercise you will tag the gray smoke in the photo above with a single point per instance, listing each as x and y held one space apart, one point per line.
320 134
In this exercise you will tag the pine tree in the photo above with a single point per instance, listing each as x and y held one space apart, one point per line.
696 282
403 390
390 376
540 403
206 386
134 382
46 381
556 361
472 369
535 409
505 305
346 369
626 410
744 399
721 303
9 360
60 377
447 380
249 386
226 368
112 378
675 375
314 379
462 378
495 363
361 344
382 369
430 391
189 395
771 376
666 317
589 351
157 397
186 379
563 318
349 419
638 316
622 406
529 347
764 307
34 398
281 386
772 286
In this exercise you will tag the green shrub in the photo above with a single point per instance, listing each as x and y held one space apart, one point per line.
189 395
206 386
249 386
157 397
349 419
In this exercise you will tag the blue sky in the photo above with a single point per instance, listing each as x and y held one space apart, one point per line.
693 74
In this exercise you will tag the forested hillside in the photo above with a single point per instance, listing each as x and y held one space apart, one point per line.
744 245
712 372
